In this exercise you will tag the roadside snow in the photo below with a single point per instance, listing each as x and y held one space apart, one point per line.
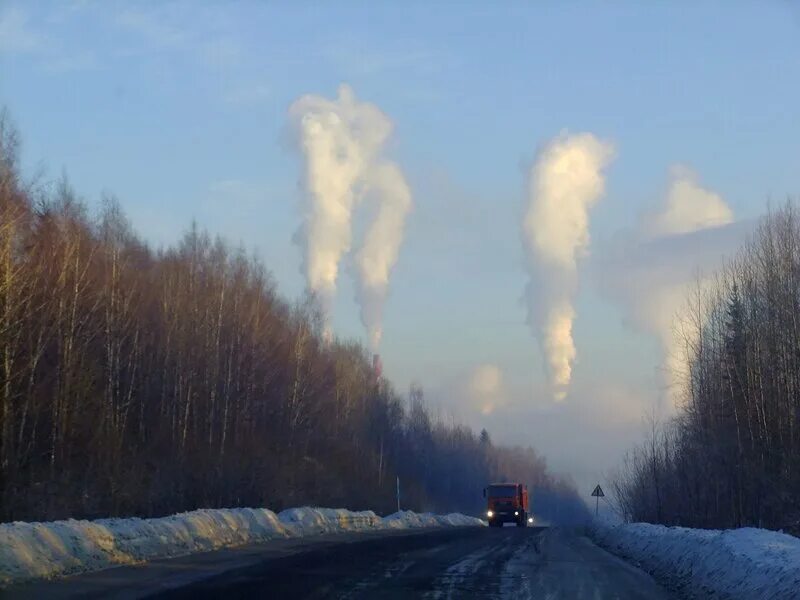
44 550
743 563
405 519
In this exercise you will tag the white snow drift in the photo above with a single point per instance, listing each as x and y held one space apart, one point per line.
742 564
43 550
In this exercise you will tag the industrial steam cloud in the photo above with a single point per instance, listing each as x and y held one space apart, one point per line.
342 142
564 183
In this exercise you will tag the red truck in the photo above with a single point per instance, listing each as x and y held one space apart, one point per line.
507 503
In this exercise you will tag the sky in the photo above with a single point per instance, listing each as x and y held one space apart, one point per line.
684 115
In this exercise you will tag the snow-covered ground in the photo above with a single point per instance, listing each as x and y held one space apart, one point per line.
43 550
738 563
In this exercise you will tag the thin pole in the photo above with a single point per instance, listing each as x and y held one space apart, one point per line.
596 504
398 494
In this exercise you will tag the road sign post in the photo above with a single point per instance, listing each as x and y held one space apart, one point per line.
597 493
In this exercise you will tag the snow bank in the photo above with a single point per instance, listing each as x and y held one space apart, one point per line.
308 521
739 563
43 550
405 519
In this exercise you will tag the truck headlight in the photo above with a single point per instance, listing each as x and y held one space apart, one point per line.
489 514
530 519
516 513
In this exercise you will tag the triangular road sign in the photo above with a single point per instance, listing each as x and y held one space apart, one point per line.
598 491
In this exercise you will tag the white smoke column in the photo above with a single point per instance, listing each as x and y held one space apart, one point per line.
381 245
565 182
339 140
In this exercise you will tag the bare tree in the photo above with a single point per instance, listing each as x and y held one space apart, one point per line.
141 382
732 457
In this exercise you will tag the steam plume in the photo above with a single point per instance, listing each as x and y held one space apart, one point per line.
381 245
341 141
688 207
658 270
565 182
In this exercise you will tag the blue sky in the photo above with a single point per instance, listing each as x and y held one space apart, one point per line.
180 109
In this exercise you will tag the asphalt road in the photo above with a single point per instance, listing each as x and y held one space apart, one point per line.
451 563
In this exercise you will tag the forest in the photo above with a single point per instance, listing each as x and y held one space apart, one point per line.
145 382
731 456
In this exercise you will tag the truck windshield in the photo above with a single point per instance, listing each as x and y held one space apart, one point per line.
502 491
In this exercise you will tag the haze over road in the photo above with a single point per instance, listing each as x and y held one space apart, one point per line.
460 563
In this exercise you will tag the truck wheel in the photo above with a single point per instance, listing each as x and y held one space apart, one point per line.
523 520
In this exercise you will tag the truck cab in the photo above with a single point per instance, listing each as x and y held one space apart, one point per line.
507 503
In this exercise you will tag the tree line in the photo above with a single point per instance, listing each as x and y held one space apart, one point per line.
731 457
143 382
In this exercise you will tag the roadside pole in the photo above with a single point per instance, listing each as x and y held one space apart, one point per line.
398 493
597 493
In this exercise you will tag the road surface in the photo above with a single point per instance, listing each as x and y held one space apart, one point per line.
447 563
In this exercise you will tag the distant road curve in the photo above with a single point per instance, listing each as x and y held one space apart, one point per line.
439 564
